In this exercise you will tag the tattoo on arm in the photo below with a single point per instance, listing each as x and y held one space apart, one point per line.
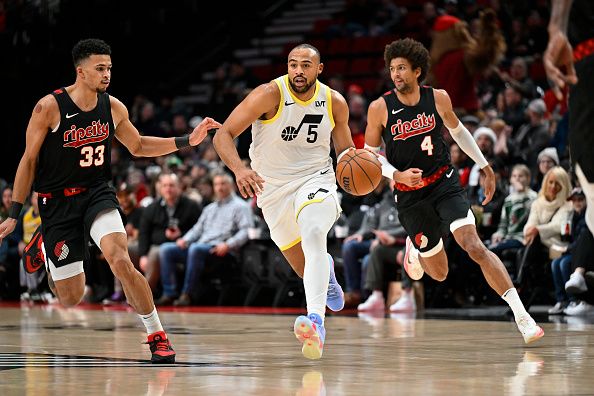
38 108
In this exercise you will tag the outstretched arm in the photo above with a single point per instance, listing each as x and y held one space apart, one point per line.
559 54
152 146
462 136
262 100
44 115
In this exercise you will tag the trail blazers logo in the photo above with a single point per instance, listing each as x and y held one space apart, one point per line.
61 250
402 130
76 137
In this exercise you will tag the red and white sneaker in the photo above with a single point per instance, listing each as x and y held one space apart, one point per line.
161 349
412 265
529 329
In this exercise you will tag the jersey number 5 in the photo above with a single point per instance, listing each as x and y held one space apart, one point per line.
427 146
92 156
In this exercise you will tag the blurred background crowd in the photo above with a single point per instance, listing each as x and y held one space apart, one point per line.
175 64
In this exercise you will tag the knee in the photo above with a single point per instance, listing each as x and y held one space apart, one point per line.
440 274
71 297
316 231
121 266
166 249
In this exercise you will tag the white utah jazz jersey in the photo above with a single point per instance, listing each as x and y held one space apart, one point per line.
296 141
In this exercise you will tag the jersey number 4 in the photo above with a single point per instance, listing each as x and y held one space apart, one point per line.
92 156
427 146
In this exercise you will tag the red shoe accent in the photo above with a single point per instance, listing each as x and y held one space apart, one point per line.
33 258
161 349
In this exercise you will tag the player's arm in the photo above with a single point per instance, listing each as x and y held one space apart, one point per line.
262 100
44 116
464 139
341 134
559 54
377 118
152 146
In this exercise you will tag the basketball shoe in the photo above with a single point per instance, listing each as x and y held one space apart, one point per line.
335 295
310 331
529 329
161 349
412 265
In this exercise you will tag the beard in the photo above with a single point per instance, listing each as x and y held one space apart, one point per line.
404 88
303 89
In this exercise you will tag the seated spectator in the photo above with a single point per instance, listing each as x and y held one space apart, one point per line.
514 215
543 228
581 281
9 250
561 266
546 159
461 162
164 220
220 231
532 137
27 224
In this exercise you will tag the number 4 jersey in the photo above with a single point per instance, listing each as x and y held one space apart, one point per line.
296 141
77 152
413 134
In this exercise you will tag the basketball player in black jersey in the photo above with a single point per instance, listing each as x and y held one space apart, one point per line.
67 154
567 65
429 197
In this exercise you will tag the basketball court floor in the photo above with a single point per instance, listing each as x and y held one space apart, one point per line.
47 350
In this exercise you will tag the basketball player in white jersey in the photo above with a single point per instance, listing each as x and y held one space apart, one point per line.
294 119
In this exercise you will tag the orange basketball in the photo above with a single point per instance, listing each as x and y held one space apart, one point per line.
358 172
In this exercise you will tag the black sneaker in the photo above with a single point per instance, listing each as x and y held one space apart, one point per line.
161 349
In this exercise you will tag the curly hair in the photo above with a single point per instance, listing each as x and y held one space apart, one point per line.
85 48
411 50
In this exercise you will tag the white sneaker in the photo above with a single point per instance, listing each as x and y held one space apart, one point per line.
375 302
406 303
412 265
581 309
557 309
529 329
576 284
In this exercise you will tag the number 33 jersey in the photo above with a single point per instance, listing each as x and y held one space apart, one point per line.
296 141
413 134
77 152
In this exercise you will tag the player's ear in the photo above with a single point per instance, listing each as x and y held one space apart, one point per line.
320 68
79 72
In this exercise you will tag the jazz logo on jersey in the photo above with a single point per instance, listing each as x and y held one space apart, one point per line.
402 130
290 133
76 137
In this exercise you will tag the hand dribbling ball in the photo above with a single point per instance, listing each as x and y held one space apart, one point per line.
358 172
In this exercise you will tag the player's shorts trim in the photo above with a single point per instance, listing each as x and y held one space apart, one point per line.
468 220
304 204
290 245
434 250
64 272
280 105
106 222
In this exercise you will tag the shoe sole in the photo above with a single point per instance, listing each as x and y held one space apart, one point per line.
309 337
535 337
575 290
163 359
408 266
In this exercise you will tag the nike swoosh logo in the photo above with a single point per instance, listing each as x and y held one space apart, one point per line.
397 111
449 174
71 115
324 172
289 104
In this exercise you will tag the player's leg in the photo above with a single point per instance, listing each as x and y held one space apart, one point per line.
66 282
108 232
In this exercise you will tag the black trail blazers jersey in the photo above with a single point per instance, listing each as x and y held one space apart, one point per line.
78 152
413 134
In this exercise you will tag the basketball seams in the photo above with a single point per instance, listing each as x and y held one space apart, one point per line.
342 172
370 160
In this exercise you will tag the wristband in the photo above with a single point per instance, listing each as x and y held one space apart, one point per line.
15 210
182 141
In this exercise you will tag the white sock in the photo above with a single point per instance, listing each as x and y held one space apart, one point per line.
151 322
377 294
315 220
512 298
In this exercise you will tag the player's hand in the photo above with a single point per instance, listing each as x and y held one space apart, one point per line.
558 56
200 132
249 182
220 250
7 227
489 184
412 177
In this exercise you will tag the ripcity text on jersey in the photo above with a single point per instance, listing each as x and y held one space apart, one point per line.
413 134
77 153
296 141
